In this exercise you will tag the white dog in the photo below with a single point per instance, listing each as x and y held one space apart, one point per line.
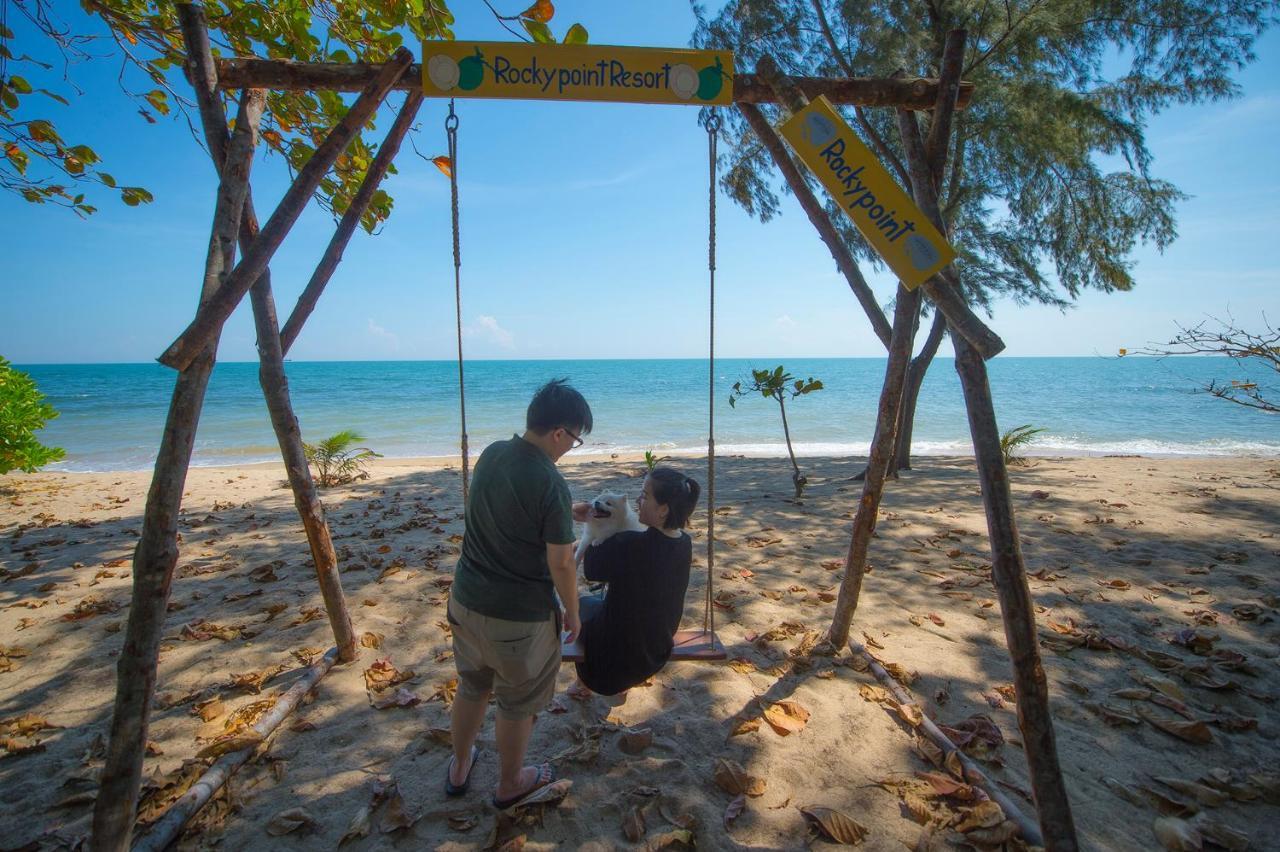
609 513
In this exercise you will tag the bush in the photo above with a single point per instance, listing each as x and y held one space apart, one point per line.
1014 439
23 412
336 461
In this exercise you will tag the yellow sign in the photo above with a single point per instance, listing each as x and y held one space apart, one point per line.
887 217
576 72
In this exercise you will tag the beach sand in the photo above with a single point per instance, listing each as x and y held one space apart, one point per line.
1124 555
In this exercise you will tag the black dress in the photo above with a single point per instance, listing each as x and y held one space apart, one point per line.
630 638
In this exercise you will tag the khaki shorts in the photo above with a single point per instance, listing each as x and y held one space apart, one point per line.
517 660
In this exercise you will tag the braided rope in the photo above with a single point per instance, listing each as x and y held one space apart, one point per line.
451 130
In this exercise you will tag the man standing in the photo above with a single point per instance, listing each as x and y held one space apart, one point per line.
516 554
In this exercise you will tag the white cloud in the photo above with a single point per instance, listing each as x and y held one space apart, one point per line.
486 328
612 180
785 321
379 333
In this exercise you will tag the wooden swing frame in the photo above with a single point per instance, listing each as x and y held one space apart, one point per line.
225 283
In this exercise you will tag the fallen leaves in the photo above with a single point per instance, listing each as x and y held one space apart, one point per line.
90 606
19 734
9 658
786 717
734 780
834 826
1191 731
291 820
383 675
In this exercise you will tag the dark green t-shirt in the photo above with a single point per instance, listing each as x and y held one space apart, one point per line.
519 503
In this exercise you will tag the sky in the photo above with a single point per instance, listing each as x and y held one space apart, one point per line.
584 235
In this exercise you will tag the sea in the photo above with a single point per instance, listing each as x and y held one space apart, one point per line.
112 415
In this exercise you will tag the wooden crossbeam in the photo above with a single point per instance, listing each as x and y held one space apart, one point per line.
286 75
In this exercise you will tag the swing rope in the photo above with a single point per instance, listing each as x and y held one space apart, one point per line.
709 613
451 130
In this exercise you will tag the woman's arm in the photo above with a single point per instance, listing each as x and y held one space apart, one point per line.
605 559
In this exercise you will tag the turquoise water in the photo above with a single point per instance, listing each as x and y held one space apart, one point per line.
113 414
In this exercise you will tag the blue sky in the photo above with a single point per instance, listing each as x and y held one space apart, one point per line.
584 235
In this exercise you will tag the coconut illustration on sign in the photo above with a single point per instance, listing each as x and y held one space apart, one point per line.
921 252
711 81
684 81
817 129
471 71
443 71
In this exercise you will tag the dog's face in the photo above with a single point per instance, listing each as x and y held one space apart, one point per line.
610 508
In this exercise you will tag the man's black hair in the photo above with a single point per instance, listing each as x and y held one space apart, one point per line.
558 405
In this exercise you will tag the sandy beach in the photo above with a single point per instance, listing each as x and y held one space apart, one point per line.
1157 583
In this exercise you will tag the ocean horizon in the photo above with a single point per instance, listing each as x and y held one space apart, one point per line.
112 415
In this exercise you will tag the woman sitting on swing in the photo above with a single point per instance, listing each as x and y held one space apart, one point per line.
627 637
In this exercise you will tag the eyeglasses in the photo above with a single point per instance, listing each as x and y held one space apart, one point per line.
577 441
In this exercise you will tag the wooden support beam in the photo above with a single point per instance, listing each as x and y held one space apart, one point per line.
166 829
157 551
211 317
973 774
1008 570
333 253
274 382
1017 609
287 75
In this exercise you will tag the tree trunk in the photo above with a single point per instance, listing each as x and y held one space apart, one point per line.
157 550
911 394
797 479
864 522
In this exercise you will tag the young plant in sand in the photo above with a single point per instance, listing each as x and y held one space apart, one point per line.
651 460
777 384
1015 439
337 462
23 412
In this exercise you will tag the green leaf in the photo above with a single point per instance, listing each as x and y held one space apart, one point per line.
577 34
20 85
42 131
541 32
159 99
107 179
18 157
57 97
8 97
5 32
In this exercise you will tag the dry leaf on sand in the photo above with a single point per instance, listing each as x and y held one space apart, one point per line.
786 717
633 824
290 821
1191 731
745 726
735 780
734 809
834 826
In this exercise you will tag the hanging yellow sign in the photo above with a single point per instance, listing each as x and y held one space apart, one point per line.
576 72
887 217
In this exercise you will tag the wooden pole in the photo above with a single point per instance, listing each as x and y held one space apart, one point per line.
1008 573
157 550
210 318
166 829
333 252
1008 570
288 75
973 774
881 454
818 216
271 374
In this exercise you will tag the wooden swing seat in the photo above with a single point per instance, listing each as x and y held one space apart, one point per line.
690 646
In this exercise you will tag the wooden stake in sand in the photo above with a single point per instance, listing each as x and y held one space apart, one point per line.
157 551
972 773
166 829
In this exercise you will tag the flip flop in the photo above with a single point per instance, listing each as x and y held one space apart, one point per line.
451 789
546 776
